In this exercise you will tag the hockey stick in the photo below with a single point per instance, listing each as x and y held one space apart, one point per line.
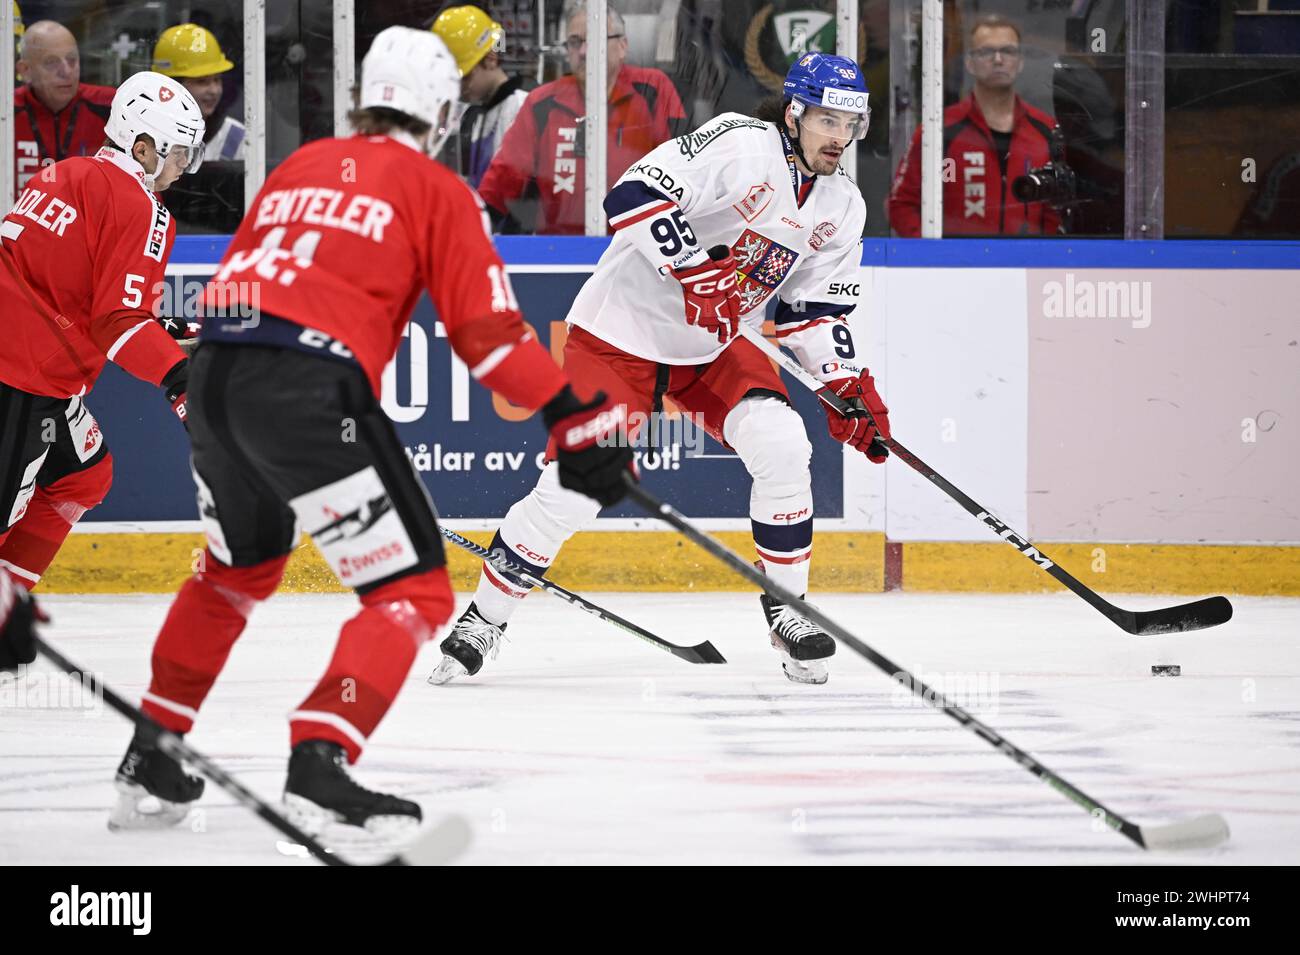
438 846
1199 833
700 653
1196 615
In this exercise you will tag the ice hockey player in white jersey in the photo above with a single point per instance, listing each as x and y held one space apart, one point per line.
707 228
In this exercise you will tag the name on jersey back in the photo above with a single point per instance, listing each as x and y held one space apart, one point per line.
362 215
55 216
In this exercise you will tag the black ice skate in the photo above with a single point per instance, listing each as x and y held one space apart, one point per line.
472 639
804 646
319 791
148 776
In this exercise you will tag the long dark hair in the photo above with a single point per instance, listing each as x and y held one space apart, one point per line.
772 110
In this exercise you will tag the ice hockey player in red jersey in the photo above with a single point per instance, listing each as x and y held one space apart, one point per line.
778 217
288 432
80 255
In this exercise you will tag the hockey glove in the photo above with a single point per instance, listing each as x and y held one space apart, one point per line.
181 329
18 611
185 332
712 294
592 449
176 384
859 429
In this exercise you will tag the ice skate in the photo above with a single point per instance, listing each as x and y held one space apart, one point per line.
804 647
154 791
319 792
472 639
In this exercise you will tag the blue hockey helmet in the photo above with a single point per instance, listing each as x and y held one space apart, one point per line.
831 82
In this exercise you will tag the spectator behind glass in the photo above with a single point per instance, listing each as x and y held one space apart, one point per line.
494 97
189 53
991 138
543 153
55 114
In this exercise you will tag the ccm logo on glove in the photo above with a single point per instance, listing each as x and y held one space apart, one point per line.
592 456
721 285
604 423
711 293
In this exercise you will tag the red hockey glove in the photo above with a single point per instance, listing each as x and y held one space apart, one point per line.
592 449
859 429
712 294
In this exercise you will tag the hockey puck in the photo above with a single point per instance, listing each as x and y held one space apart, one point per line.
1166 669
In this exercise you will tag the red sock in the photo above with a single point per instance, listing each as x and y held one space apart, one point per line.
206 618
371 661
31 545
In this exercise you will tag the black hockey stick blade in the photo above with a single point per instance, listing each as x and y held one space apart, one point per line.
704 652
700 653
1197 615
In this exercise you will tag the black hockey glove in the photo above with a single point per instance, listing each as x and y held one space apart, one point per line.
18 611
176 385
591 445
181 329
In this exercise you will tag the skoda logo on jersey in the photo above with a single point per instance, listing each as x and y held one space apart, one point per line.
833 98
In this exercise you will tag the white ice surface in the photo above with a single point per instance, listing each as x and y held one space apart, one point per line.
582 745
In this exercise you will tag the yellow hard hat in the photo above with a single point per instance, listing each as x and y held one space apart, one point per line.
189 50
19 29
469 33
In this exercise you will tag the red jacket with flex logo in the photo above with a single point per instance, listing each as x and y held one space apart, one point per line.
977 199
42 138
543 149
82 254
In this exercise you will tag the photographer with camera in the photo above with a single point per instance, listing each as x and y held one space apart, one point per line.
1003 172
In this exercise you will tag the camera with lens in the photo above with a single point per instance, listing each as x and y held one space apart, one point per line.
1053 182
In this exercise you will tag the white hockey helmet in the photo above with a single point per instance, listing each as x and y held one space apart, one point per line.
162 108
413 72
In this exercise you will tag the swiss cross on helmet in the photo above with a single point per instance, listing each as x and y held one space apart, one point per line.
830 82
151 104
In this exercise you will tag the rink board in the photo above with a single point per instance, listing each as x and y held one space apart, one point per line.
1102 394
848 562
